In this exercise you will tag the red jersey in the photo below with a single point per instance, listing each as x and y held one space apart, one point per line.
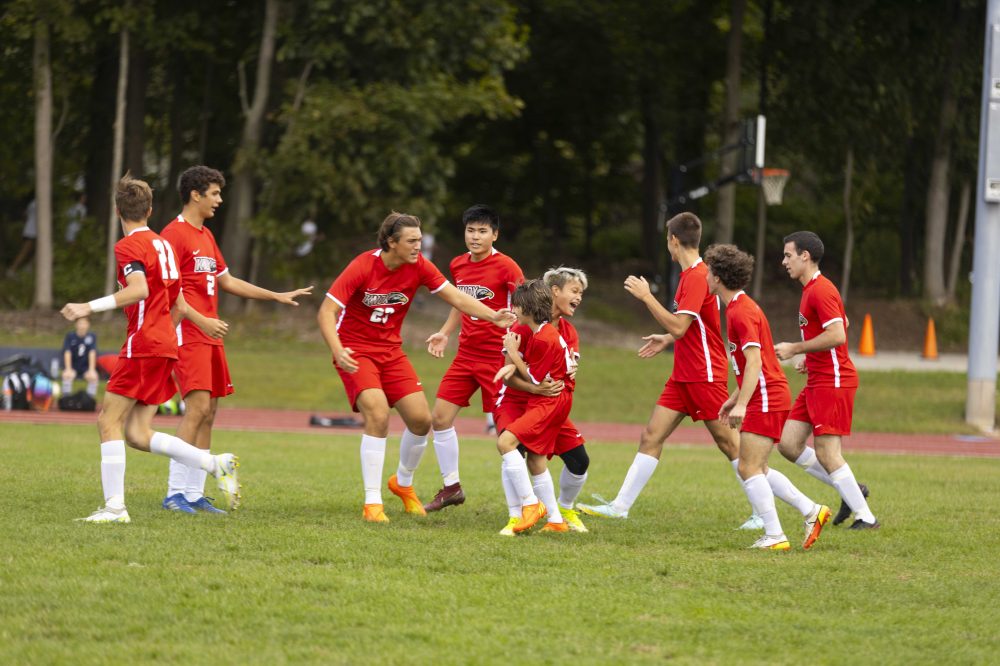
150 329
821 306
548 356
201 263
491 281
572 339
748 327
508 395
531 352
699 355
375 300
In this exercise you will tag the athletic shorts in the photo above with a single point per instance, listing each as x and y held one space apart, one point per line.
539 426
699 400
765 424
148 379
829 410
203 367
567 439
467 375
388 370
506 413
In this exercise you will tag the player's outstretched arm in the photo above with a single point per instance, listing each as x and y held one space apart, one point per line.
655 343
438 342
675 325
135 290
470 306
832 336
244 289
327 317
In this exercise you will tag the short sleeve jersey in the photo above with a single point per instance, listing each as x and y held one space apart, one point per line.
508 394
375 300
201 263
699 355
572 339
490 281
748 327
548 355
821 306
150 329
79 348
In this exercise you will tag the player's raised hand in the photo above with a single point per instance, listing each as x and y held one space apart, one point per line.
436 344
549 388
511 342
504 373
655 343
504 318
345 360
288 297
784 350
637 286
74 311
736 415
215 328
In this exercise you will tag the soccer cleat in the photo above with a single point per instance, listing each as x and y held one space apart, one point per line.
555 527
772 543
862 525
178 503
572 519
845 510
817 518
411 503
604 508
205 504
107 514
754 522
374 513
508 529
530 514
448 496
225 474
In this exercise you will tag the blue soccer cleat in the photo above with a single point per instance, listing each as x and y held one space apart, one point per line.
205 504
178 503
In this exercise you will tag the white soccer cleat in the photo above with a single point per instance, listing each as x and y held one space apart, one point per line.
766 542
754 522
604 509
108 514
225 474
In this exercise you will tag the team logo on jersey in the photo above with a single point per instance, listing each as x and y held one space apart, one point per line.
478 292
674 306
392 298
204 264
802 320
732 347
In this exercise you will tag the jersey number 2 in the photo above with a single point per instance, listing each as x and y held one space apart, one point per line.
168 267
381 315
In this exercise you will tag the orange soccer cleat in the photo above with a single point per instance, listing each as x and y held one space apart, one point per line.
374 513
814 523
411 503
555 527
530 514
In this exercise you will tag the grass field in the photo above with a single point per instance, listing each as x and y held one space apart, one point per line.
297 577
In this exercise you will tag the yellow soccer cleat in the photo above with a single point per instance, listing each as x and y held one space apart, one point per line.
411 503
508 529
815 521
374 513
572 519
772 543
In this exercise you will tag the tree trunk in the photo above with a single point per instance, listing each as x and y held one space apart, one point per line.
726 198
116 161
135 104
959 243
849 223
43 167
236 244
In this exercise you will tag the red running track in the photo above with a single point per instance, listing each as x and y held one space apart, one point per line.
297 421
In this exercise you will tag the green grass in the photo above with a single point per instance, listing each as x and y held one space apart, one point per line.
297 577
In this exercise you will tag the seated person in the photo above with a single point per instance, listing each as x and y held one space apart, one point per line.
80 357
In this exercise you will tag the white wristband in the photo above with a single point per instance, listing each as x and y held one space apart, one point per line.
103 303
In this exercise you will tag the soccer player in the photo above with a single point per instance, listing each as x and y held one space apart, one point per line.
80 357
826 404
150 287
698 385
759 406
360 320
202 370
489 276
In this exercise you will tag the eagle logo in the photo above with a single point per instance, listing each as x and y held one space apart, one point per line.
392 298
674 306
204 264
732 347
803 322
477 291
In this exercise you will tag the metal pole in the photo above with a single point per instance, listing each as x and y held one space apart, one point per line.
984 322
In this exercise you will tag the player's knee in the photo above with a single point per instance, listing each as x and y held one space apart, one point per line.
419 425
440 421
377 422
577 461
746 469
650 443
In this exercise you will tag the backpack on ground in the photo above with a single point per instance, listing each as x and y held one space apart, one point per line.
81 401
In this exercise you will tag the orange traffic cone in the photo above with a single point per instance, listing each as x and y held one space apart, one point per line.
866 347
930 342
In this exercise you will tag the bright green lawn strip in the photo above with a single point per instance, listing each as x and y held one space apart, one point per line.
298 577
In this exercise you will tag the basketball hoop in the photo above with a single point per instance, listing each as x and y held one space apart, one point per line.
772 181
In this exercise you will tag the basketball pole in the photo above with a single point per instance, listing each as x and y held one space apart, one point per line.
984 321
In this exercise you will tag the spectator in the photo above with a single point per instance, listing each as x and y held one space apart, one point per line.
80 357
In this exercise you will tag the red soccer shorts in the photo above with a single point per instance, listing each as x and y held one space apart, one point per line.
568 438
388 370
699 400
465 376
829 410
538 427
765 424
507 413
146 379
203 367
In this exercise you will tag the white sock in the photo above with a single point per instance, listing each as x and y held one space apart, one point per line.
736 468
67 386
762 500
517 471
638 475
446 450
194 483
177 478
490 422
786 491
513 499
174 447
570 485
113 473
810 463
847 486
372 460
541 484
411 450
92 389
